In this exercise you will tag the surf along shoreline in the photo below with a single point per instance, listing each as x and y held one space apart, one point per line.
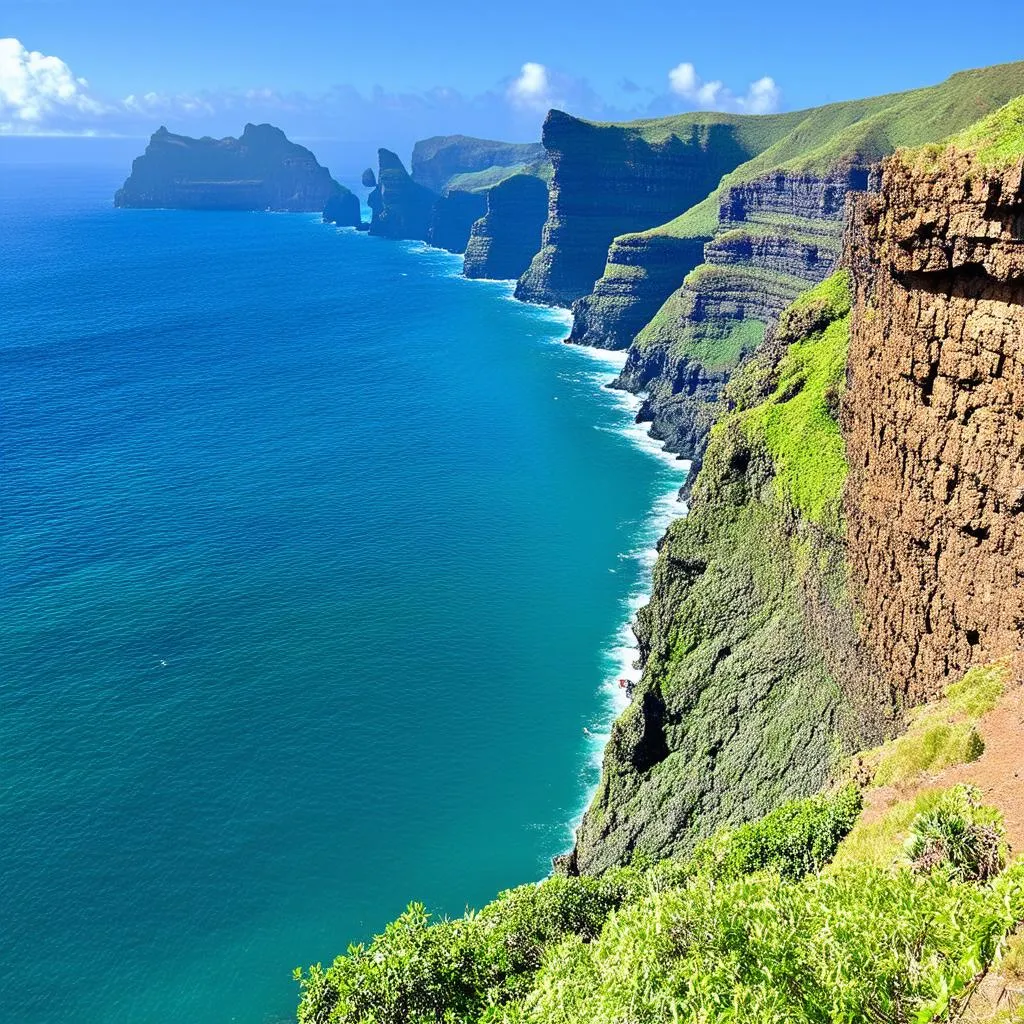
621 651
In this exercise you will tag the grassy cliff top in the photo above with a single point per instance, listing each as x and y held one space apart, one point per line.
482 180
998 139
825 139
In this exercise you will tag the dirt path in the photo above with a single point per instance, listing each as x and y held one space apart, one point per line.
998 773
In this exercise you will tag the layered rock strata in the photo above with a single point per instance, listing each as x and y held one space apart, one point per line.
778 235
610 180
503 241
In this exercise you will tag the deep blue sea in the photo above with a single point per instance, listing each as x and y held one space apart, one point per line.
316 565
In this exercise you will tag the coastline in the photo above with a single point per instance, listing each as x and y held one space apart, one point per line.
618 654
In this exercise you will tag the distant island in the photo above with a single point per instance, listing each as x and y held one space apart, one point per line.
261 170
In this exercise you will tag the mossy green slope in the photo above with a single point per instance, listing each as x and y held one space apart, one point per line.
754 680
863 131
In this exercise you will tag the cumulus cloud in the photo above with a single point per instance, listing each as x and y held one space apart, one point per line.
761 96
532 88
39 92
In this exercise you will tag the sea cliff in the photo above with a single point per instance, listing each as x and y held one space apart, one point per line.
771 226
856 532
455 205
612 179
260 170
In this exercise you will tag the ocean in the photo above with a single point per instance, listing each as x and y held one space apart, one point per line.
317 567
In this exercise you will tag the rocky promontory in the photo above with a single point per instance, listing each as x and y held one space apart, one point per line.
261 170
503 241
467 172
401 208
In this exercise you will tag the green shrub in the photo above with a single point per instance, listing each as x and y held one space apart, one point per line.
880 842
862 945
959 836
799 837
745 932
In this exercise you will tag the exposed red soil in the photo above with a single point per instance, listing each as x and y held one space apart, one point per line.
998 773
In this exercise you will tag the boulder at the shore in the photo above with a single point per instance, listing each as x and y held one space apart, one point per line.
262 170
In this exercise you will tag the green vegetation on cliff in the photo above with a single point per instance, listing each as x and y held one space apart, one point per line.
754 682
798 421
863 131
747 930
998 140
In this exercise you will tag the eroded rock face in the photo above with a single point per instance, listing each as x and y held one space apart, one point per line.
453 217
261 170
608 181
401 208
934 418
505 239
778 235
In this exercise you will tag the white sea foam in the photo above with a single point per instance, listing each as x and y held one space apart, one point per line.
620 655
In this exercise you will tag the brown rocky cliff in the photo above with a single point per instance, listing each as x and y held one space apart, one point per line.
934 417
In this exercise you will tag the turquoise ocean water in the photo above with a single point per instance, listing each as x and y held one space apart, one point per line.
316 565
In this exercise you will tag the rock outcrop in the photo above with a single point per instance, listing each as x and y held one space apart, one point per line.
640 273
934 416
401 208
343 209
506 238
435 161
261 170
609 180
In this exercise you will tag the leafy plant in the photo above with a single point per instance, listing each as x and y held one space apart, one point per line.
958 836
797 838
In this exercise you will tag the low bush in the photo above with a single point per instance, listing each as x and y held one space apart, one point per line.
799 837
959 836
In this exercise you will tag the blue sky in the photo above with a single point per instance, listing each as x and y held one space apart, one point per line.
389 73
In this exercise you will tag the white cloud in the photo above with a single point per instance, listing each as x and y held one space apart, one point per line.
761 96
532 88
38 92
